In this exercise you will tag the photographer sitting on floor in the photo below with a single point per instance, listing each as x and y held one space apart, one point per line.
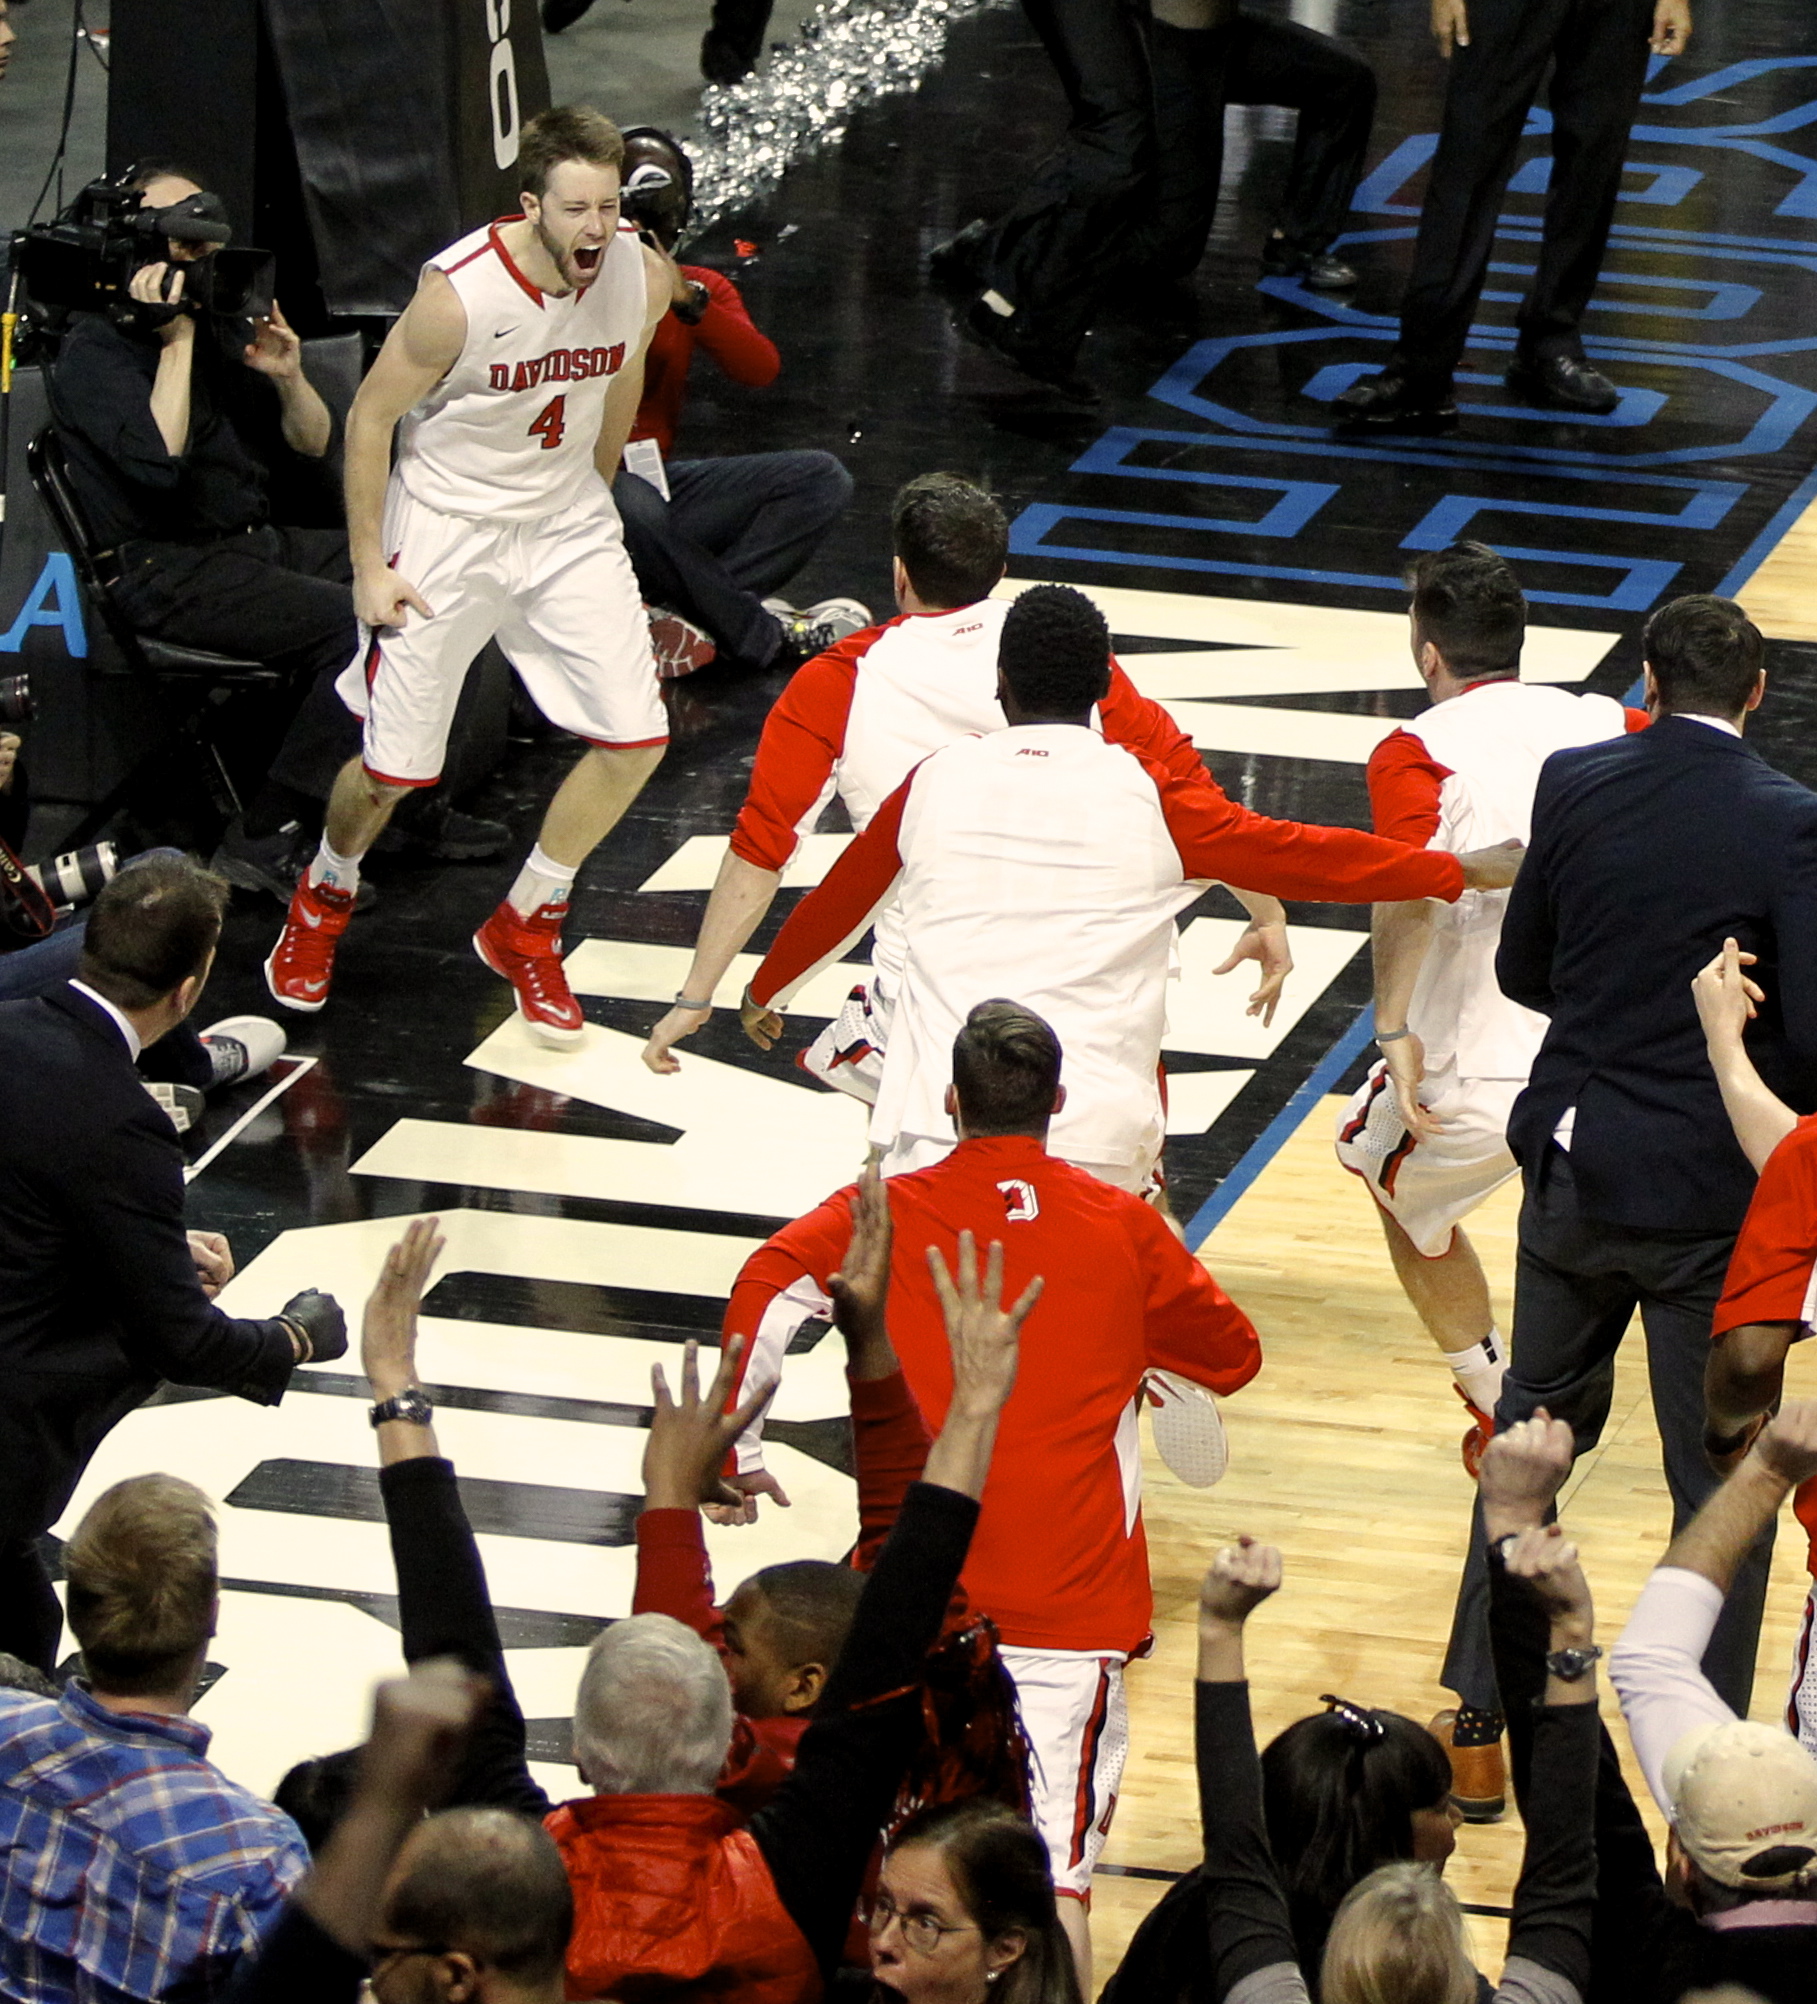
709 538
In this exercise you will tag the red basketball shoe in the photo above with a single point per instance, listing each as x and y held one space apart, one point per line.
528 953
302 962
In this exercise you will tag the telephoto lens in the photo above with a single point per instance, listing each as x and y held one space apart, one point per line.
78 876
16 705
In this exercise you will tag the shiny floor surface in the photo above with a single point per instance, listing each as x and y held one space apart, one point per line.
1249 566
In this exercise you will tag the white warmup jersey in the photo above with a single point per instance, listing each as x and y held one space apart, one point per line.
1490 743
509 432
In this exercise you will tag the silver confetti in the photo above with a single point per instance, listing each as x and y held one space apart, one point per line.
850 53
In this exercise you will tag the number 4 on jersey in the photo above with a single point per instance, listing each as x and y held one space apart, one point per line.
547 424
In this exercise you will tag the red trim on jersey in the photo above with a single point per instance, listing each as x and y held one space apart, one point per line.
803 736
1085 1797
493 239
1391 1164
1404 783
372 663
1377 1086
625 744
385 778
461 264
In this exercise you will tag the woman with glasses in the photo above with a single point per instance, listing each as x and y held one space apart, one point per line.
964 1912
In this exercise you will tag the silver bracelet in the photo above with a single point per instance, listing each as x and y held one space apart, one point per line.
683 1001
1391 1036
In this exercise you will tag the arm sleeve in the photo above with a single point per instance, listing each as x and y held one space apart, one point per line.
889 1444
1245 1910
1191 1325
778 1288
1290 859
299 1963
674 1575
125 1199
1142 725
792 774
101 394
1523 959
728 333
445 1609
838 909
816 1835
1657 1668
1555 1896
1405 784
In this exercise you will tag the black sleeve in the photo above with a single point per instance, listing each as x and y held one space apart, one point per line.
102 394
300 1963
1523 959
123 1191
1795 937
1555 1895
1245 1909
445 1609
817 1832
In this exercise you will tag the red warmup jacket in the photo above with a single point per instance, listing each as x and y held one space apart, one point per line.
725 330
671 1887
674 1576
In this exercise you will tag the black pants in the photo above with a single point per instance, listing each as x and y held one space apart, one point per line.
282 596
732 532
1252 61
1598 53
31 1620
1577 1285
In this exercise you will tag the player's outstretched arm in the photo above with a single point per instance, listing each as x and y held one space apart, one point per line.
742 894
626 390
418 352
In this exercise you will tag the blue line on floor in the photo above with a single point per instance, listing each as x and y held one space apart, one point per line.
1263 1149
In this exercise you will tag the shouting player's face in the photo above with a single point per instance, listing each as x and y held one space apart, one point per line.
575 218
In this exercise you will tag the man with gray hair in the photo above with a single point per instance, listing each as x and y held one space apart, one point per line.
653 1715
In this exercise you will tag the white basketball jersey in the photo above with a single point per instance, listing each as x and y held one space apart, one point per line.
509 432
1493 739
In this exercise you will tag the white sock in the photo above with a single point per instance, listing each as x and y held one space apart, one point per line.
343 872
542 881
1480 1369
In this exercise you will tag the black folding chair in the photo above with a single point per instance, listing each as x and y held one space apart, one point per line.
184 683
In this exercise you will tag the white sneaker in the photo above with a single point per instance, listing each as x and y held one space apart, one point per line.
241 1047
1189 1430
810 630
848 1053
182 1104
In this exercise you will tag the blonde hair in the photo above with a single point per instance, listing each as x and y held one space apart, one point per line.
142 1583
1398 1939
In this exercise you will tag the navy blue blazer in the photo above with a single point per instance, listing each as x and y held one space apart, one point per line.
99 1299
1647 852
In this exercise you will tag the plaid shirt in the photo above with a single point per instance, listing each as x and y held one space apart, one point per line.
130 1868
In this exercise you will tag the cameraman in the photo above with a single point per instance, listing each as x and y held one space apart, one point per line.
102 1292
170 425
730 530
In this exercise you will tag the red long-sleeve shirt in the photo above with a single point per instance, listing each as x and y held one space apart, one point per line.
725 330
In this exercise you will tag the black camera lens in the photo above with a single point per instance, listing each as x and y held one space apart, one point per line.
16 704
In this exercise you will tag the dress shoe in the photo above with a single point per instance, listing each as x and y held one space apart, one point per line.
1562 382
1479 1775
1477 1436
957 266
1282 258
1396 401
985 328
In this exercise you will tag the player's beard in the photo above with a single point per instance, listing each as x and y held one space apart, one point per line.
563 259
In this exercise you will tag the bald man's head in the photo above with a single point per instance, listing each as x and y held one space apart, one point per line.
488 1884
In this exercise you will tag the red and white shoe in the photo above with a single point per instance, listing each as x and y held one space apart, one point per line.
302 963
528 953
1482 1431
678 645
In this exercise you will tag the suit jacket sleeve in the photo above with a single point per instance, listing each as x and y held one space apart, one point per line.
124 1196
1795 935
1523 960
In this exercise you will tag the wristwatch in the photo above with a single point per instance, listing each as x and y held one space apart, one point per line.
691 311
1568 1665
412 1405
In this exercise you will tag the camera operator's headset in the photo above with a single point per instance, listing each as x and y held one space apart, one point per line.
653 197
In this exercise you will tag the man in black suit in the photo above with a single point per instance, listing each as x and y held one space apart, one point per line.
102 1294
1647 852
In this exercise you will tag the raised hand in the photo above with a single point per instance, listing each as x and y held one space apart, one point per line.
982 1334
275 349
388 1333
861 1287
1726 998
690 1436
1547 1560
1238 1580
1523 1469
419 1725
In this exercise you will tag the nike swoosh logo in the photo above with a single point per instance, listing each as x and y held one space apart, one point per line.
499 333
310 919
311 987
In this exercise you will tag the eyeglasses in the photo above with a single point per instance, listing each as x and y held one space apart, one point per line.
921 1931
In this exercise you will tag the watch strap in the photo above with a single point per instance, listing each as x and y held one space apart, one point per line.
413 1405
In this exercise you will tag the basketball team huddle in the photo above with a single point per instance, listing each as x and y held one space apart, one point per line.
1028 828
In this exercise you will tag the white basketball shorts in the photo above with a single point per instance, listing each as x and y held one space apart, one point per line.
1076 1717
1428 1186
558 595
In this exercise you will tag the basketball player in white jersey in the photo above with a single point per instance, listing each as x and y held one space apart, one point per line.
516 372
1427 1131
856 718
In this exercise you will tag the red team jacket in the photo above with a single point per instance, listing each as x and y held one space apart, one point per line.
725 330
1059 1560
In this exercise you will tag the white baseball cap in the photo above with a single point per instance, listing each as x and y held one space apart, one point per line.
1744 1804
